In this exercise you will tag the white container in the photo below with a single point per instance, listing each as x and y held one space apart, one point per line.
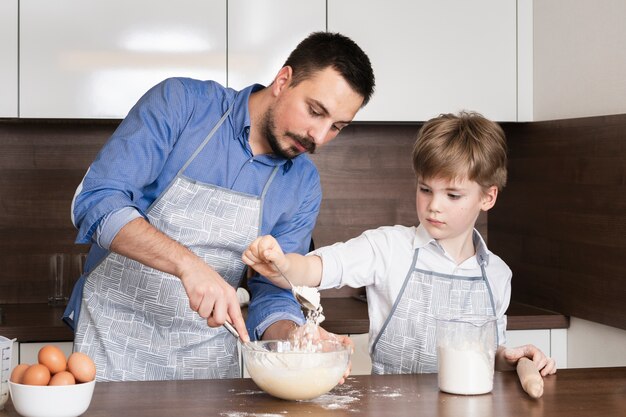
5 368
51 401
290 374
466 348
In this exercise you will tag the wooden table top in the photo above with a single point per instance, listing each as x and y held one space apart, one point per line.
569 393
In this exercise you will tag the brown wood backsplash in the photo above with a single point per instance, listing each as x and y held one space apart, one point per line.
41 163
560 223
366 175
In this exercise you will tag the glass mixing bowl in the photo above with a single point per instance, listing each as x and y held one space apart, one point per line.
296 375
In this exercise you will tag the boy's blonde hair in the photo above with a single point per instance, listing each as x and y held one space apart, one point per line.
466 145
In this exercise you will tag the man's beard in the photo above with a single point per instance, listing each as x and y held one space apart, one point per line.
268 128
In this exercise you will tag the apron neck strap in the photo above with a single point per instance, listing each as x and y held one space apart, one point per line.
206 139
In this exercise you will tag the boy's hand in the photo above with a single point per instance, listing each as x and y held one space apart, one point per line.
262 254
309 331
344 340
545 364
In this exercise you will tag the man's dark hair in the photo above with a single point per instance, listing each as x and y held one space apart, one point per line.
321 50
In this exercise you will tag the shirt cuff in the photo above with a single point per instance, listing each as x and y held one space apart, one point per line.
111 224
273 318
331 267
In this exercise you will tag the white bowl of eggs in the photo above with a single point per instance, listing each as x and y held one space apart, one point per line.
54 387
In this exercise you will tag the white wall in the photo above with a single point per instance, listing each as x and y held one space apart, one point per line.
579 59
591 344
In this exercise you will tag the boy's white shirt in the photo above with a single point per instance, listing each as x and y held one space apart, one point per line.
379 260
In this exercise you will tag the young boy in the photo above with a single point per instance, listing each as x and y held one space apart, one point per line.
413 274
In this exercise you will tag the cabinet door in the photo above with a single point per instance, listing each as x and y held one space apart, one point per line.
433 57
361 361
539 338
94 59
8 58
261 34
30 351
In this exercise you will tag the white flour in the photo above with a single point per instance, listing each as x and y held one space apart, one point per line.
309 293
334 402
306 338
312 295
244 414
465 372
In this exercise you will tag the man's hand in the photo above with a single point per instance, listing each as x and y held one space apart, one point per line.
212 297
508 357
209 294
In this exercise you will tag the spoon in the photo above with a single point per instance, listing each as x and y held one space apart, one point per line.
306 303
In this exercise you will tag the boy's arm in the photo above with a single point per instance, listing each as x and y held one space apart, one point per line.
303 270
506 359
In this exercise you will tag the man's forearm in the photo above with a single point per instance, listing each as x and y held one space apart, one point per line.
142 242
280 330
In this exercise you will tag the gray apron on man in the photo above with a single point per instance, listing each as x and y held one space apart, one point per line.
406 343
145 327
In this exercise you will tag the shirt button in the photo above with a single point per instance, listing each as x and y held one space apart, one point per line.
251 160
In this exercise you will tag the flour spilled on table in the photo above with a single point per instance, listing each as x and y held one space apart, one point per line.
346 397
334 402
386 392
343 397
246 392
245 414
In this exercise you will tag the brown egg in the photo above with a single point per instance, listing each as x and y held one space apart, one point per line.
52 357
37 374
62 378
82 367
18 373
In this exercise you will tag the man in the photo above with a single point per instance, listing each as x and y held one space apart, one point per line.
192 175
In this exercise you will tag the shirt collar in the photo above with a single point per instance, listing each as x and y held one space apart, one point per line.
423 238
240 118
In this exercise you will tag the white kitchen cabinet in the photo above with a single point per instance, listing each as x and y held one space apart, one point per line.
29 351
262 34
94 58
553 342
8 58
432 57
361 361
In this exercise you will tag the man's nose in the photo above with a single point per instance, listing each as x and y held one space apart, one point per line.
320 133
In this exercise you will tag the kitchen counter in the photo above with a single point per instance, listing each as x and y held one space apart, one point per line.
349 316
34 323
42 323
569 393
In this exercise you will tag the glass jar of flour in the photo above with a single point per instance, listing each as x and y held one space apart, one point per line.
466 349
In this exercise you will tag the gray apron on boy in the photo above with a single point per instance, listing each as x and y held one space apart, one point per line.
146 329
406 343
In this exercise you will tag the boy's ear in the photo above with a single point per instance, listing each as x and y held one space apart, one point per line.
489 198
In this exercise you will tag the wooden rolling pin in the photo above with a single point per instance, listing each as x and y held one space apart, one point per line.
530 378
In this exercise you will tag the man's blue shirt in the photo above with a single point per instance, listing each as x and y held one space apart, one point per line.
154 141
